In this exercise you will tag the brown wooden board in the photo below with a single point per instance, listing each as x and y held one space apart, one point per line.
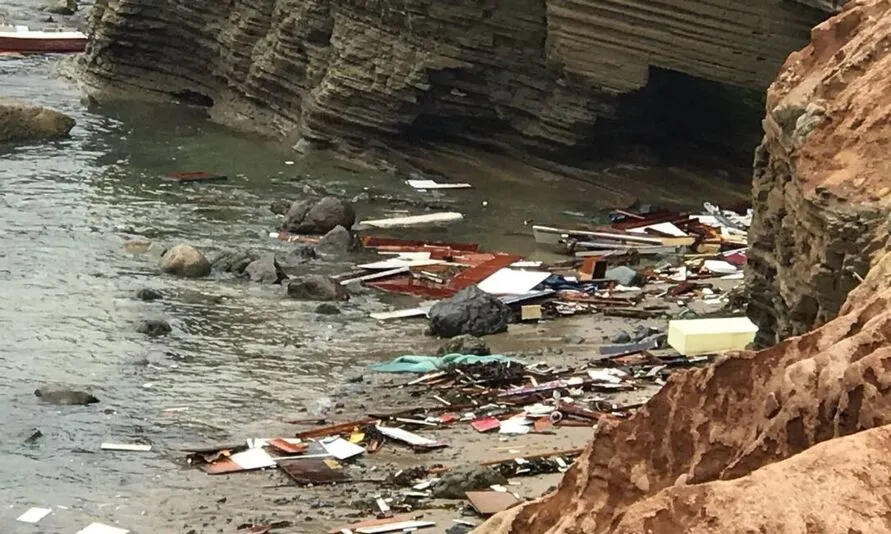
286 447
314 471
333 430
477 274
199 176
491 502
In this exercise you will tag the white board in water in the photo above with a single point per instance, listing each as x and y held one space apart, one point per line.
432 184
512 281
401 261
412 220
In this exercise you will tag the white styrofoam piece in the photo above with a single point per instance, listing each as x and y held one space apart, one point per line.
342 449
515 425
526 264
432 184
719 267
680 275
406 436
133 447
99 528
703 336
256 458
612 376
619 288
538 410
34 515
399 314
512 282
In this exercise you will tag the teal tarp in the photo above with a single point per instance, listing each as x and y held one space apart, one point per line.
428 364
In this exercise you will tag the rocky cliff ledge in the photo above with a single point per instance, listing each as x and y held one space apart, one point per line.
822 174
792 438
544 77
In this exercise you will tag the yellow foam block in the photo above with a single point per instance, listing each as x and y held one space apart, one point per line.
702 336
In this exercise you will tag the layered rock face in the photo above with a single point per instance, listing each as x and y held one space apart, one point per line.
530 76
821 182
792 438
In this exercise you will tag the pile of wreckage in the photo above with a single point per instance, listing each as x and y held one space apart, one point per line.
488 393
609 268
499 394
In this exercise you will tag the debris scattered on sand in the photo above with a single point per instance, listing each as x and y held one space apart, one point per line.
643 265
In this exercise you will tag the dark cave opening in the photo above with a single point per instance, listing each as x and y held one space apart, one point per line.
678 117
193 98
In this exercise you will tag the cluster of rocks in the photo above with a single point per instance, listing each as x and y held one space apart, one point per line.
471 312
328 217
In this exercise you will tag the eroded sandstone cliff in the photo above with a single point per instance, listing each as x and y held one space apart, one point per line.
660 471
536 76
777 440
821 182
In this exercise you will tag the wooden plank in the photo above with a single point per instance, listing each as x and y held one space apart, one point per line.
491 502
411 220
615 235
413 245
375 276
332 430
564 452
314 471
414 287
290 448
433 184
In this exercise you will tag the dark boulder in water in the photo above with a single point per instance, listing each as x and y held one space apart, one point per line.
154 327
315 287
318 217
148 294
65 397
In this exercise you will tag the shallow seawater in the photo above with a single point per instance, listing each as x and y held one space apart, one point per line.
240 357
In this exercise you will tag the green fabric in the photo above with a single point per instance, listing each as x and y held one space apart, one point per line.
428 364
